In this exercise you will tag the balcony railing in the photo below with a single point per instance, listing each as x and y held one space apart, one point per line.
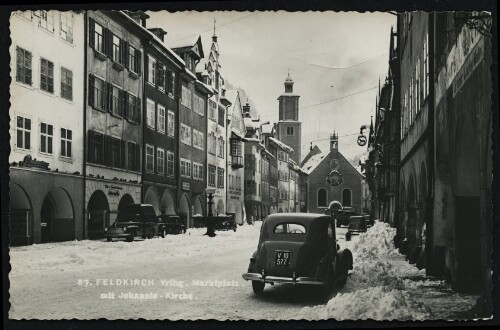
236 161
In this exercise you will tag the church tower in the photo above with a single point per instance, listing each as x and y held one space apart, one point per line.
289 128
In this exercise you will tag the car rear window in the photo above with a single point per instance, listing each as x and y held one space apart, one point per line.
289 228
128 212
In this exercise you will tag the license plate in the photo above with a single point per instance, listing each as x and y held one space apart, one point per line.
281 258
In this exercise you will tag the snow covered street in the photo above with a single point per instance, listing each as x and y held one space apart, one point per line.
192 276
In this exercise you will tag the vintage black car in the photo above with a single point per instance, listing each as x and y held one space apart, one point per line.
228 224
298 248
357 224
134 220
342 216
171 224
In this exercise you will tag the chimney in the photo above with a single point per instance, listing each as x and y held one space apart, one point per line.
139 16
246 110
159 32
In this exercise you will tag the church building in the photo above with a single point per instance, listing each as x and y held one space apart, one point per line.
330 177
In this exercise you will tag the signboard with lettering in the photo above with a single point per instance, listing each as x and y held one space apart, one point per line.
30 162
469 66
113 190
186 185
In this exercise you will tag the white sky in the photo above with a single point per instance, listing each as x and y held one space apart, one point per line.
258 48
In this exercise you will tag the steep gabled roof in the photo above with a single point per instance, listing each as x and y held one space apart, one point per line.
314 161
281 145
314 151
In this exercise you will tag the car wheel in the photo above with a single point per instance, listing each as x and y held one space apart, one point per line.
163 233
109 239
348 236
130 238
258 287
327 286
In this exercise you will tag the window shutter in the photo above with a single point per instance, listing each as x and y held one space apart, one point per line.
138 61
169 82
107 150
138 110
91 90
123 102
126 96
90 146
159 69
91 33
125 54
108 43
137 157
108 97
123 146
122 51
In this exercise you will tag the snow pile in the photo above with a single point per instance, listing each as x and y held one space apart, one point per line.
376 288
377 303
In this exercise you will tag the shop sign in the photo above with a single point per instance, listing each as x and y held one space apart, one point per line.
113 190
186 185
361 140
30 162
469 66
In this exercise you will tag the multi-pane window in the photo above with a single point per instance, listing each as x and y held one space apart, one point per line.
23 66
46 19
96 147
199 105
185 134
117 50
66 26
188 168
161 118
235 148
98 38
23 133
151 70
96 91
186 97
170 163
171 123
150 113
161 77
185 167
222 116
46 75
132 59
289 130
200 172
211 175
66 140
115 101
132 108
198 140
212 110
212 141
220 177
150 150
66 84
115 160
195 170
46 137
160 160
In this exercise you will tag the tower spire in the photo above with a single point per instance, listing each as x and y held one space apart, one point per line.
214 36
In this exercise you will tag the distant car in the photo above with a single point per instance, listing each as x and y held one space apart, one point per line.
133 220
368 219
228 224
298 248
171 224
342 216
357 224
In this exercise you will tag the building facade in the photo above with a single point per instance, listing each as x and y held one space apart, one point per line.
345 187
114 80
47 61
283 153
193 93
236 160
160 124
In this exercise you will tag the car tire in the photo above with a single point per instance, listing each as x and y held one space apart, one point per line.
348 236
258 287
130 238
109 239
327 286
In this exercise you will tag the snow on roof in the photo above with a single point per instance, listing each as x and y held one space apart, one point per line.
267 129
254 140
314 161
250 123
169 50
281 144
190 73
186 42
202 66
288 94
205 86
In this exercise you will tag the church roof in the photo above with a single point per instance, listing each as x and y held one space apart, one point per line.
314 151
313 162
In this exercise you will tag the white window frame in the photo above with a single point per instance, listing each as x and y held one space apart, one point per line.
170 123
66 19
150 158
150 113
187 97
151 70
49 139
66 142
160 160
99 38
185 133
64 83
24 131
116 47
161 118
